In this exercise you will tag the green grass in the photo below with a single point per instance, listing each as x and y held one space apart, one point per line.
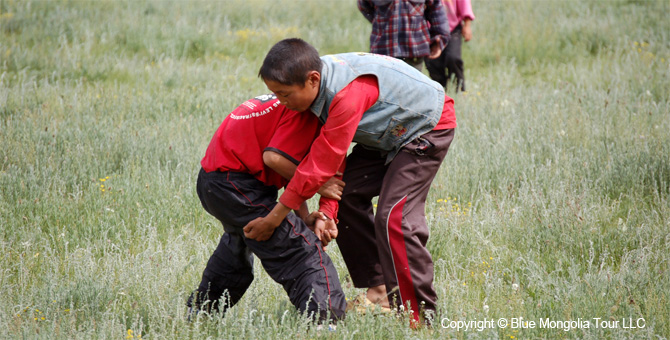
552 203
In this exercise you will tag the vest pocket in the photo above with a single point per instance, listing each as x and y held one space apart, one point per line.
395 131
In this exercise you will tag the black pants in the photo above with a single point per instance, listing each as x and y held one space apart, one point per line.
450 61
293 256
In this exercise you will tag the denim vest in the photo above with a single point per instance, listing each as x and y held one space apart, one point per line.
409 104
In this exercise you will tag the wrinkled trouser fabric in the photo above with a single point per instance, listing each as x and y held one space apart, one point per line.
389 247
293 256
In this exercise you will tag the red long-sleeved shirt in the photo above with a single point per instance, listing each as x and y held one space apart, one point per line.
329 149
242 137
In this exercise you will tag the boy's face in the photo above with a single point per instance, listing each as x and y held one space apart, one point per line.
296 97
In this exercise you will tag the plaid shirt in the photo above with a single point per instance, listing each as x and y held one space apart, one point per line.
405 28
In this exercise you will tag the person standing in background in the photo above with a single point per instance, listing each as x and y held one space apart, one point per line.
460 15
407 30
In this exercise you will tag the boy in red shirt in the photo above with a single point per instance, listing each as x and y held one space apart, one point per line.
252 154
403 125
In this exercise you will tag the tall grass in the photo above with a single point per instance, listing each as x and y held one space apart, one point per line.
552 203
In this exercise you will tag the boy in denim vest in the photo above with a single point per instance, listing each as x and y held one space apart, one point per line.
403 125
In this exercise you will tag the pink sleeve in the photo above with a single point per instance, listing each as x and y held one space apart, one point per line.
464 8
330 147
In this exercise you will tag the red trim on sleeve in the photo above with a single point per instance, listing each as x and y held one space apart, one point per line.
329 206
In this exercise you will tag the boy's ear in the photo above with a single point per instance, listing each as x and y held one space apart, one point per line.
313 78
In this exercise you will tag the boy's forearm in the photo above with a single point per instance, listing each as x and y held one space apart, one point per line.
365 8
303 212
330 206
466 31
279 164
330 148
277 214
262 228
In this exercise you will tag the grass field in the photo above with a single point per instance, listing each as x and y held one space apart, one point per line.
552 204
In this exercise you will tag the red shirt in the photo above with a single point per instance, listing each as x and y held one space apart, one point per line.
261 124
330 148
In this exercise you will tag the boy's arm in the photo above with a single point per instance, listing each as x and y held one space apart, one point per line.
466 30
331 146
464 9
280 164
261 228
436 15
367 9
328 205
332 189
303 212
330 192
326 229
326 154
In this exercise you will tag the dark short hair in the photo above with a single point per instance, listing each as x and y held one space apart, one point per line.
289 61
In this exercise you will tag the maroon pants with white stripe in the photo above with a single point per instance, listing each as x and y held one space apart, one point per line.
390 247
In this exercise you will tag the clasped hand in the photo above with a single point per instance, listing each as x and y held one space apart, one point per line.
324 227
261 228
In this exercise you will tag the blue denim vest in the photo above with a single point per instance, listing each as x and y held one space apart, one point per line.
409 104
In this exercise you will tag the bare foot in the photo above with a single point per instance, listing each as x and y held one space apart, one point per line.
378 295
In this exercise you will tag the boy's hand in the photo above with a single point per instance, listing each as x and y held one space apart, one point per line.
262 228
324 227
330 231
435 50
312 217
466 30
333 188
259 229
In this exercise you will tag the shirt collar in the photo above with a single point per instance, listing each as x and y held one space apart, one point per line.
320 101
